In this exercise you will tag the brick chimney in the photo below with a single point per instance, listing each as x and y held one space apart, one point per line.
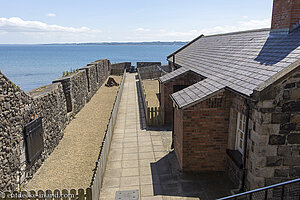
286 16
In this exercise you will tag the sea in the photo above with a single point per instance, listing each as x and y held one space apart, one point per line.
31 66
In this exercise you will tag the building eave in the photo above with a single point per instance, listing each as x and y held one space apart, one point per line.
278 76
209 96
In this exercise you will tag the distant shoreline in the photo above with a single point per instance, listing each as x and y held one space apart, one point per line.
112 43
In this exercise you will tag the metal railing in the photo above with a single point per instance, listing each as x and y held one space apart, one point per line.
285 190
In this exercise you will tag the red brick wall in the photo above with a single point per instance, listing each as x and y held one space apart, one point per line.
286 13
202 146
178 133
166 89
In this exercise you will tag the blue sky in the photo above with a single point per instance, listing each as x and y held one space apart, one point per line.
50 21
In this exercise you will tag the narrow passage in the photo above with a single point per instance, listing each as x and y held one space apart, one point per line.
71 164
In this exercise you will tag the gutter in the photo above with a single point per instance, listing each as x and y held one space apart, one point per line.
245 147
286 71
174 101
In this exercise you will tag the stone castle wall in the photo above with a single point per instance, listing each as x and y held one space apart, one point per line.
56 104
118 68
274 142
16 110
145 64
151 72
49 103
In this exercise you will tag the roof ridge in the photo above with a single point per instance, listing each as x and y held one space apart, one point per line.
240 32
221 34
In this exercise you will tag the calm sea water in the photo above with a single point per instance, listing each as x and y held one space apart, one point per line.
31 66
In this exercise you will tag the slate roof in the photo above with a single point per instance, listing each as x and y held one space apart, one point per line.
173 74
196 92
241 61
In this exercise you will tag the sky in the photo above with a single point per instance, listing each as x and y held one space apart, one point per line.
68 21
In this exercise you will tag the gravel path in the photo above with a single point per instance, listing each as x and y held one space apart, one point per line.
151 90
71 163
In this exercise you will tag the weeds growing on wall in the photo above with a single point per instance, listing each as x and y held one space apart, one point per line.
72 71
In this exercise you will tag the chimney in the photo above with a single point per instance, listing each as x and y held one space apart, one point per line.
286 16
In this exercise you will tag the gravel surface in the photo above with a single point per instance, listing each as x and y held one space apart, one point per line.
151 90
71 164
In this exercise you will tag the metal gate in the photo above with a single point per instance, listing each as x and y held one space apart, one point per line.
34 142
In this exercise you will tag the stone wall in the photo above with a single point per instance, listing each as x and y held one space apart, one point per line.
151 72
16 110
75 88
56 104
275 133
48 103
82 85
118 68
166 68
145 64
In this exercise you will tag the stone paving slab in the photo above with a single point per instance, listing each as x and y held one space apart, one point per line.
140 159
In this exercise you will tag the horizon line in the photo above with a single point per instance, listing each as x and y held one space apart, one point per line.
66 43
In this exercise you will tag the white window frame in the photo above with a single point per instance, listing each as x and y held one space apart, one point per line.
240 132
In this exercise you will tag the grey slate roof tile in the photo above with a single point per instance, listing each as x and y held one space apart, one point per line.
173 74
242 61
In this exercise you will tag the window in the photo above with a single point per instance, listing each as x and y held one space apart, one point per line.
240 132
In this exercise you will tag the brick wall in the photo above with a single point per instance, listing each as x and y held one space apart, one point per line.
285 14
188 78
204 135
178 134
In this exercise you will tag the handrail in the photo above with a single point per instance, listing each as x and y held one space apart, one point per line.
261 189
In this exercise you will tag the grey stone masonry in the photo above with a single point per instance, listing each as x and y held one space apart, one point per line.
151 72
56 104
16 110
145 64
118 68
275 133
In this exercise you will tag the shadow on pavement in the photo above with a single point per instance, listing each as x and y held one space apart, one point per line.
168 180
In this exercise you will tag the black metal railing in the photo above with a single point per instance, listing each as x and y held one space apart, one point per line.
285 190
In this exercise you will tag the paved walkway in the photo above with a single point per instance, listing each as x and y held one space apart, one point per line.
140 160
